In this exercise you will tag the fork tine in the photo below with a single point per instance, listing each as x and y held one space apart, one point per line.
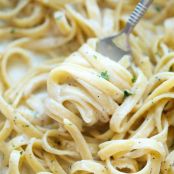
109 49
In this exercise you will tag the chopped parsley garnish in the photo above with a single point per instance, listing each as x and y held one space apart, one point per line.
12 31
104 75
157 54
158 8
95 57
26 125
10 102
70 124
127 93
134 79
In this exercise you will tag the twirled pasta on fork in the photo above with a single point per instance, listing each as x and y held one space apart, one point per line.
65 108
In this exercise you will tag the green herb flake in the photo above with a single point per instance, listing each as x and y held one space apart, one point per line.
134 79
158 8
104 75
127 93
157 54
70 124
95 57
12 31
10 102
26 125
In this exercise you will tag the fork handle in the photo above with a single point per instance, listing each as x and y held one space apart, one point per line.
137 14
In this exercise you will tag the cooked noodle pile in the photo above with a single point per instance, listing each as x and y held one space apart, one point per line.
67 109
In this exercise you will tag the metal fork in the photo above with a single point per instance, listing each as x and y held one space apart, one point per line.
116 46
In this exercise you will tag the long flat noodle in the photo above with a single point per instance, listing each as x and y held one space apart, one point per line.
115 147
8 14
32 20
79 140
119 116
34 32
14 162
88 166
7 56
6 130
56 4
53 149
54 165
67 109
18 119
36 164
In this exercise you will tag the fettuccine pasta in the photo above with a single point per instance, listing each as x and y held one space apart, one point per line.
67 109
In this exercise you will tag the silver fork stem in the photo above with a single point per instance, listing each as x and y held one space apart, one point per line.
137 14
